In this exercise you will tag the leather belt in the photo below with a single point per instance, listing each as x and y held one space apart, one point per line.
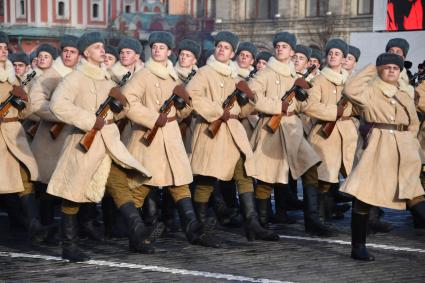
109 121
384 126
288 114
171 119
8 120
233 116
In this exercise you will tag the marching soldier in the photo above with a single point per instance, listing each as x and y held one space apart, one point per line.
315 59
129 50
262 59
399 46
46 148
80 176
275 153
18 165
387 174
164 155
301 58
111 56
337 150
228 154
21 64
351 60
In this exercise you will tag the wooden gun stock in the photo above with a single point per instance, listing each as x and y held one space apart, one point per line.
56 129
150 133
32 130
214 126
274 122
88 138
328 127
4 109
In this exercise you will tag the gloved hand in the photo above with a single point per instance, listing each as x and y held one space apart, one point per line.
115 92
226 115
100 122
180 91
285 106
162 120
18 91
243 87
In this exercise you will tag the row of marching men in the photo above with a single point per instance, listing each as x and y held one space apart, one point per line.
258 129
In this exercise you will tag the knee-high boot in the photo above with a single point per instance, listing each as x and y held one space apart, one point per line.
253 228
70 248
196 233
358 237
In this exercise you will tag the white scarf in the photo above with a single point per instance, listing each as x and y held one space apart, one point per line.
284 69
222 68
334 77
161 71
95 72
8 73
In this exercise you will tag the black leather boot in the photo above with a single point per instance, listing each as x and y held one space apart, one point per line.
201 209
375 224
169 212
358 237
11 204
196 233
312 222
263 206
36 231
150 207
225 215
141 239
70 249
253 228
114 223
284 198
89 226
418 212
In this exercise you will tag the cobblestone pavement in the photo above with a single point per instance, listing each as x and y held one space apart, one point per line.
296 258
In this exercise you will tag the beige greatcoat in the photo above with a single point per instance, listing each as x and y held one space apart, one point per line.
14 147
420 89
339 149
276 153
46 149
217 157
81 176
388 171
165 157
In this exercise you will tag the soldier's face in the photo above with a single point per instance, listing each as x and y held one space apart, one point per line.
44 60
110 60
283 52
245 59
160 52
95 53
223 52
334 58
300 62
261 64
70 56
389 73
396 50
128 57
20 68
314 61
186 59
3 52
349 62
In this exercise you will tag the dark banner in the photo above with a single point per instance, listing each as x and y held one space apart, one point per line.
405 15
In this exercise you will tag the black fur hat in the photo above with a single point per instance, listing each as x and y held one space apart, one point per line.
398 42
19 57
285 37
49 49
130 43
354 51
109 49
173 58
247 46
390 58
88 39
4 38
337 43
304 50
190 45
316 53
229 37
263 55
69 41
161 37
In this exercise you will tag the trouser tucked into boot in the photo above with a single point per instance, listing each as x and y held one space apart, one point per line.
359 223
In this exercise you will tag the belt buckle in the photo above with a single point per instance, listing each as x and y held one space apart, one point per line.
400 127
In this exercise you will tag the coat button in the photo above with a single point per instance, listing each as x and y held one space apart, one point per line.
221 85
391 132
392 118
277 82
156 84
334 91
392 101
